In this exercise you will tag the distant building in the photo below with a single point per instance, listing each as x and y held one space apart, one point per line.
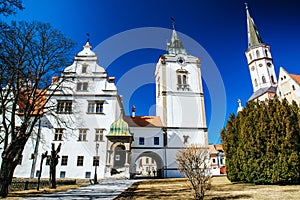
262 72
217 159
288 86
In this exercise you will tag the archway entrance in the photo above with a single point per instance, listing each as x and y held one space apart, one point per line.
148 165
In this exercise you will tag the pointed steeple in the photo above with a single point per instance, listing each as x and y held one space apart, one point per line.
254 37
175 46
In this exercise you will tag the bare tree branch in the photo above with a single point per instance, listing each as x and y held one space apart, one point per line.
193 162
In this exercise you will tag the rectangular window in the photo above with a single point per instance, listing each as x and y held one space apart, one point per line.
141 140
62 174
58 134
87 174
156 140
64 160
96 160
84 67
82 135
147 160
79 160
95 107
37 173
82 86
99 135
64 107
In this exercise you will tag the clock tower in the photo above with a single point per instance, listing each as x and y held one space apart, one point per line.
179 95
260 63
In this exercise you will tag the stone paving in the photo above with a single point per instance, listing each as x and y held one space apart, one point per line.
106 189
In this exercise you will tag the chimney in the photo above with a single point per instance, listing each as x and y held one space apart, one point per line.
54 79
133 111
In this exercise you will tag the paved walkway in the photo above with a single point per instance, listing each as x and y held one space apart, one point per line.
106 189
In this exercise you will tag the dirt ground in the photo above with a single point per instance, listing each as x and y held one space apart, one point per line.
221 189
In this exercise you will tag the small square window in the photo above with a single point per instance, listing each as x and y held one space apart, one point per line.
141 140
156 140
62 174
87 174
37 173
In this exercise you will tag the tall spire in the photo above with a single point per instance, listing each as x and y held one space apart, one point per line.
175 46
254 37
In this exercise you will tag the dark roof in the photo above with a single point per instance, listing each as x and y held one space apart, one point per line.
143 121
262 91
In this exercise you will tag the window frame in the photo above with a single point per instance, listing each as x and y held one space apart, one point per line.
64 160
99 133
141 140
156 141
182 80
82 86
64 107
96 161
58 135
80 160
96 107
82 135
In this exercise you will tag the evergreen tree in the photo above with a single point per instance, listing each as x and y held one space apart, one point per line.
262 143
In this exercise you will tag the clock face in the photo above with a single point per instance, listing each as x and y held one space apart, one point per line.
181 61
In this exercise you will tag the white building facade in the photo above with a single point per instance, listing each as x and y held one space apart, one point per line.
98 139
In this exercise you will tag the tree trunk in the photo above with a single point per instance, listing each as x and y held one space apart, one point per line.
6 174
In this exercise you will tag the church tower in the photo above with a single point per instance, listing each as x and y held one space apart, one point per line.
179 94
260 63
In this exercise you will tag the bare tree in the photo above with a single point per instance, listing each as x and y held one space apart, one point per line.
193 162
9 7
31 53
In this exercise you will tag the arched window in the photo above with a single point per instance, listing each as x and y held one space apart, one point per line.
184 79
257 54
266 51
293 87
272 79
179 79
255 82
263 78
250 56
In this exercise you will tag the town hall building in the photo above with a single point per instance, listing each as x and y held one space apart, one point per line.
97 138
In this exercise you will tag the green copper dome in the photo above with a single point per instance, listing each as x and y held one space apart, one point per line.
119 128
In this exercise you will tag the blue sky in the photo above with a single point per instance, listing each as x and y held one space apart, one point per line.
219 26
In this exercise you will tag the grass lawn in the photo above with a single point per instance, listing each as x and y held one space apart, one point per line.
221 189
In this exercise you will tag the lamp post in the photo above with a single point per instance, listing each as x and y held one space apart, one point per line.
96 164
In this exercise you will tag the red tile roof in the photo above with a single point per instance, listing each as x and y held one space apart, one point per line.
296 78
219 147
142 121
